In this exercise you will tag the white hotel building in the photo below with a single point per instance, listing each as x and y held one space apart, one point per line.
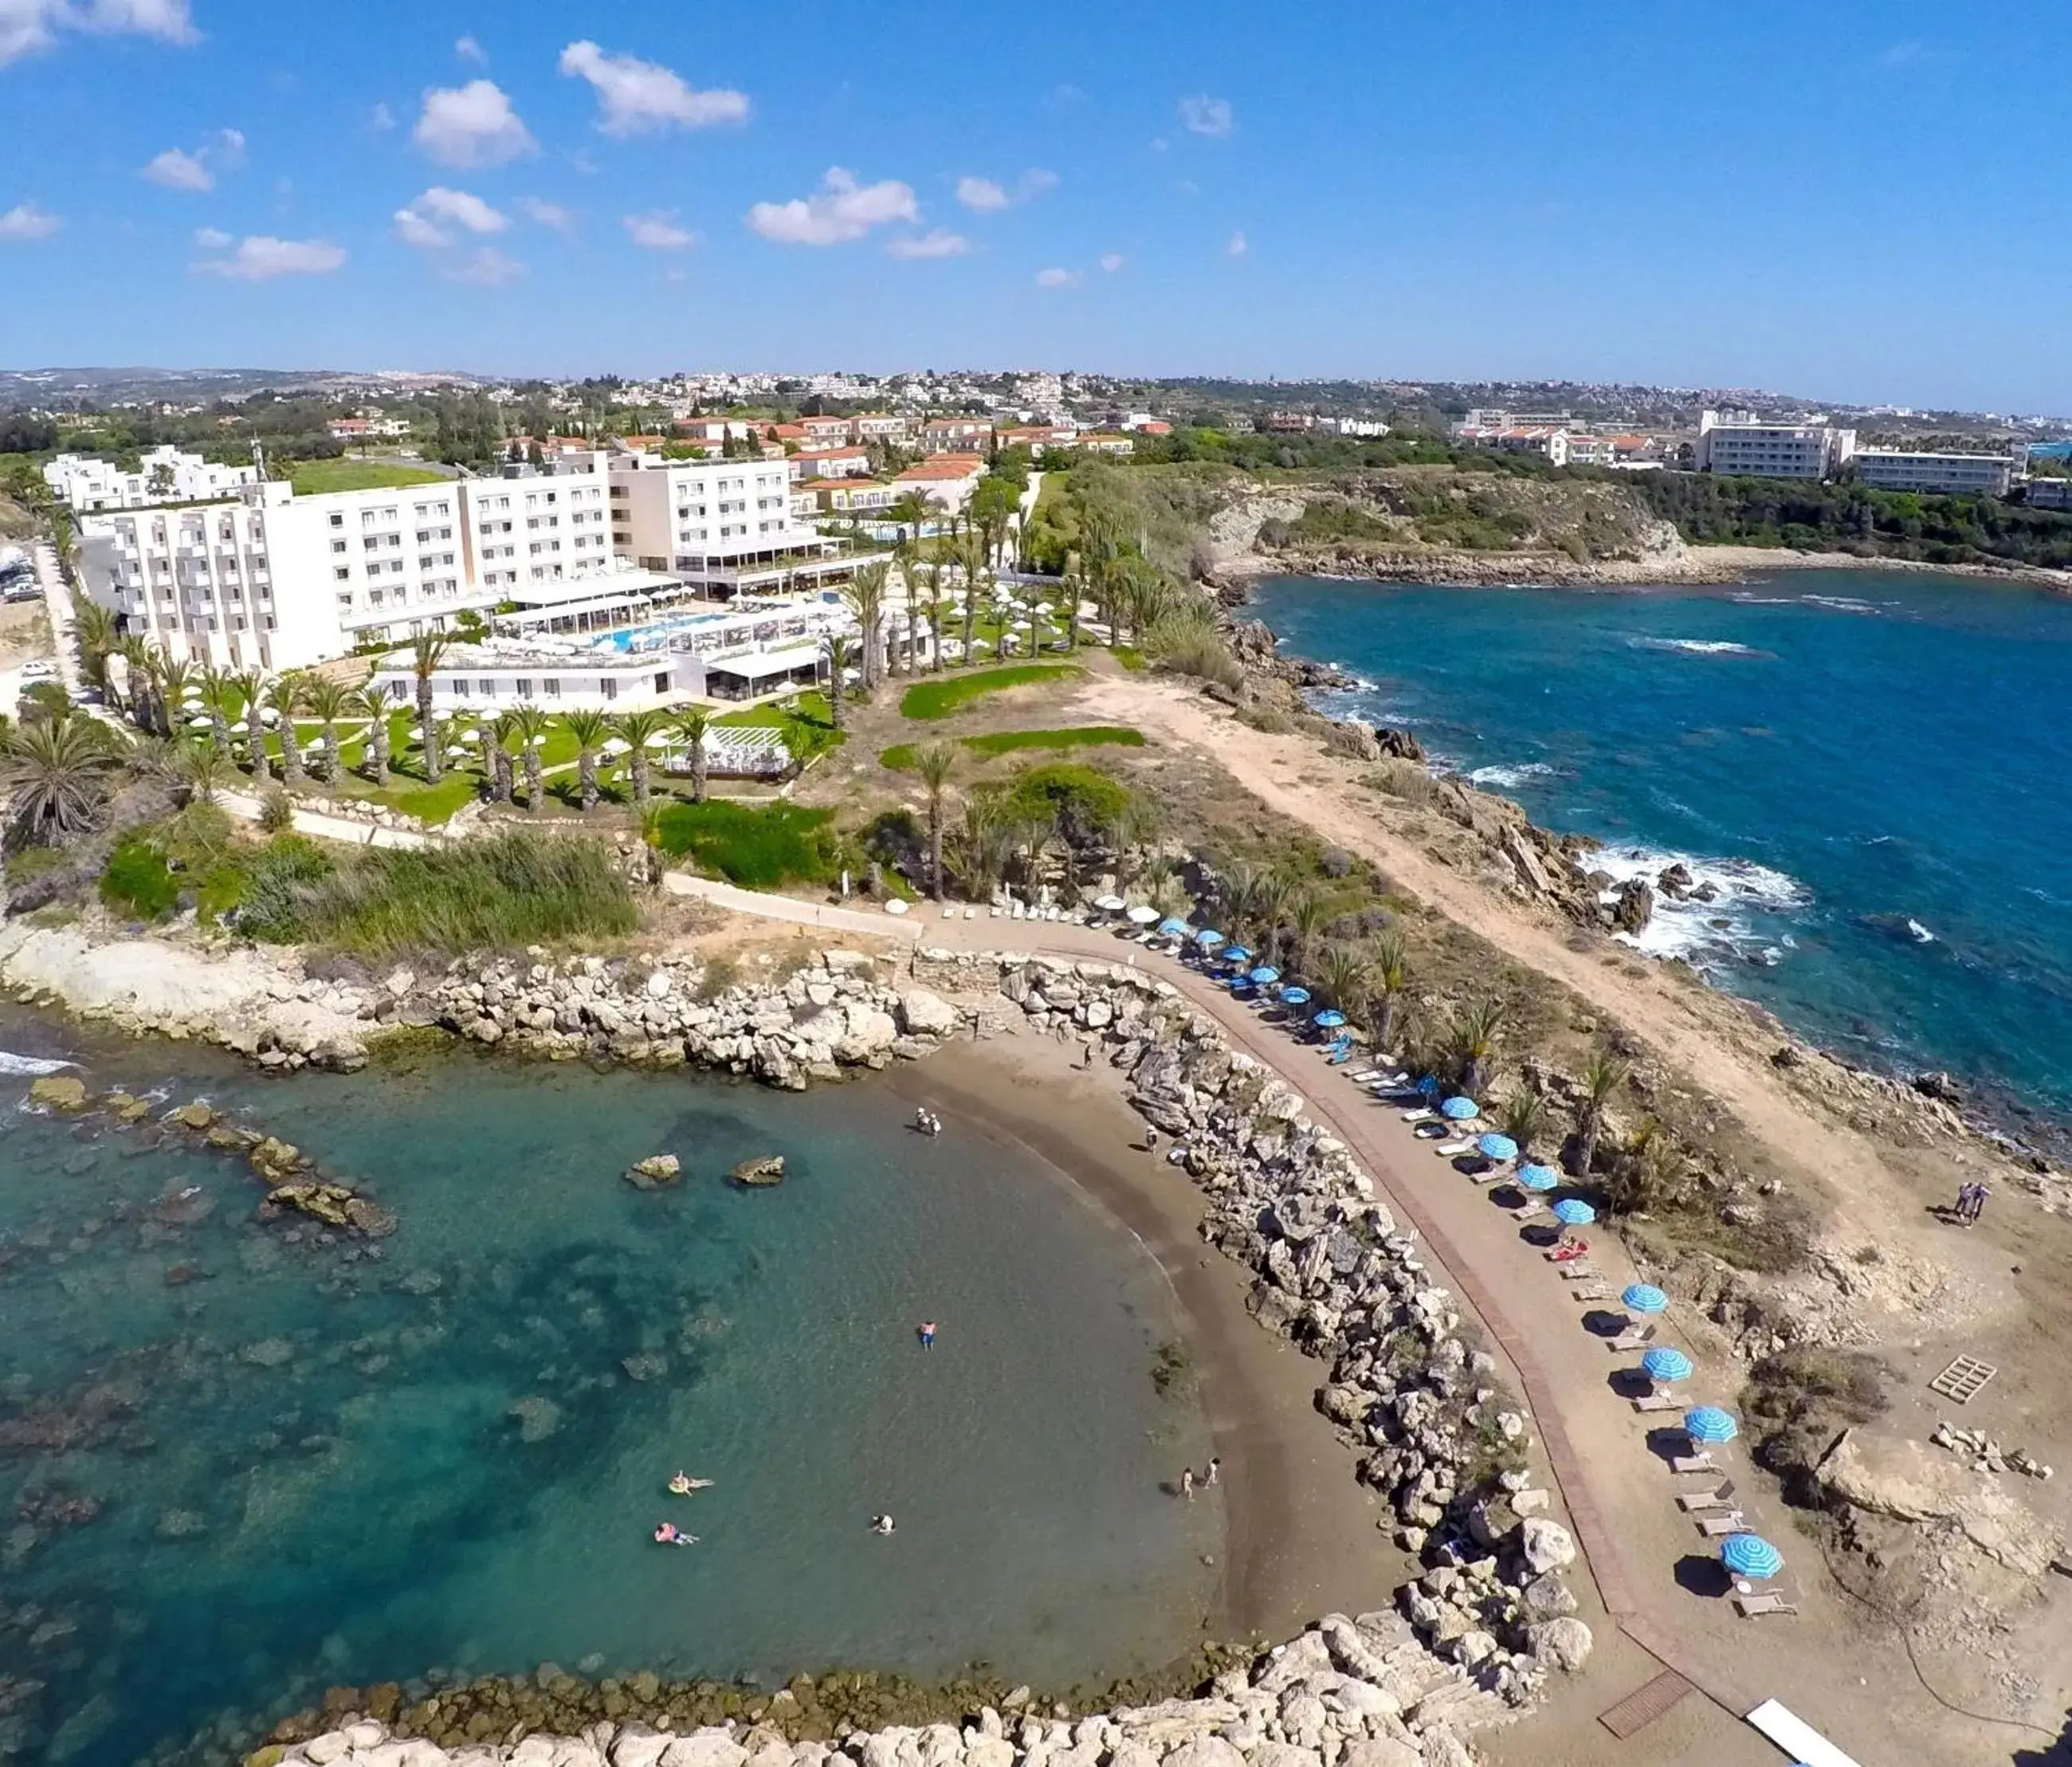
723 528
165 475
1973 474
1744 448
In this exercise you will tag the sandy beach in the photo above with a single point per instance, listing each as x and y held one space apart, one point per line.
1303 1538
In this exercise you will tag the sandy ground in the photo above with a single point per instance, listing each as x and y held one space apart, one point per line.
1303 1538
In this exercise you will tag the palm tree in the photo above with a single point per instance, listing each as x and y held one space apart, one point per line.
172 676
935 762
251 689
202 770
427 650
501 782
936 619
1603 1074
55 773
911 512
1238 890
1308 914
589 728
219 699
1389 980
1522 1117
980 843
94 629
136 659
1343 974
973 557
1075 590
1131 829
532 726
692 724
1475 1043
865 596
372 704
1277 896
285 695
834 651
635 729
327 703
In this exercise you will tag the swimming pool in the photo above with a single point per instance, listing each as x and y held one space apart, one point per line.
642 637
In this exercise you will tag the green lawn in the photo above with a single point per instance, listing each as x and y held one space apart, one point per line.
939 698
309 477
900 756
809 713
758 849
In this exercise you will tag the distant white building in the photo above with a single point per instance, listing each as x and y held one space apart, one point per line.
1772 450
1893 469
1362 426
166 475
724 526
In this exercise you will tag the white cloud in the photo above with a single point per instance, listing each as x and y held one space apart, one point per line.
637 97
1206 115
658 232
547 214
1239 245
177 169
471 126
1057 278
485 267
468 49
26 26
414 229
1111 261
210 238
260 258
982 194
841 210
1035 181
939 242
462 208
26 221
381 116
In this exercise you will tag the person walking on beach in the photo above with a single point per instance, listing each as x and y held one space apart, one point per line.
1965 1202
1980 1193
1150 1138
1212 1473
927 1334
1187 1483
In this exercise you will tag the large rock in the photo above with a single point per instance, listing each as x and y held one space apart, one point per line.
1546 1545
657 1171
58 1091
704 1748
869 1036
1205 1752
759 1173
1379 1752
1562 1644
1905 1482
924 1014
1632 906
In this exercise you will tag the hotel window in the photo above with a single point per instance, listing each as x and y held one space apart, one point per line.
551 687
486 688
343 575
609 687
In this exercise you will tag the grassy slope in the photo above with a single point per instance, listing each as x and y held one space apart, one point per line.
939 698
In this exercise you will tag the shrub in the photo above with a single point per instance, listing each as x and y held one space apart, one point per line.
277 815
270 909
899 758
757 848
938 699
137 882
1082 801
1186 642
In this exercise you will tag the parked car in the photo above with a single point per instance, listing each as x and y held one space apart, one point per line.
43 669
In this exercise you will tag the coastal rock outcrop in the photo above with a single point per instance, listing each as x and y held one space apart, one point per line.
652 1173
759 1173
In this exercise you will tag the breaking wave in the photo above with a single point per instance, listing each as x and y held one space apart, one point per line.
1697 647
1510 779
1729 916
29 1065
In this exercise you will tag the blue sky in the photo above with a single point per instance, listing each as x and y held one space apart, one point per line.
1856 201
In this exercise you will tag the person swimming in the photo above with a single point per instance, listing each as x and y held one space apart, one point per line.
668 1534
683 1484
927 1331
882 1524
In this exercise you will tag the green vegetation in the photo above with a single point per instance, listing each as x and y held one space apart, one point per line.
309 477
938 699
900 756
806 724
137 882
1847 517
513 889
757 848
1080 802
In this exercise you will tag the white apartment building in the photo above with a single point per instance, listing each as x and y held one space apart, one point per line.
724 527
166 475
1893 469
1772 450
266 579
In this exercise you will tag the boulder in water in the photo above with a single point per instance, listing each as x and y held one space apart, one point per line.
538 1418
1675 880
652 1173
196 1115
58 1091
766 1169
1633 906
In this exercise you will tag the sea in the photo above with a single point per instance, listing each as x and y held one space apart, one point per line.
241 1462
1873 769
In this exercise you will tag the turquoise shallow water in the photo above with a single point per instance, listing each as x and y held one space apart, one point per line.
1871 767
308 1471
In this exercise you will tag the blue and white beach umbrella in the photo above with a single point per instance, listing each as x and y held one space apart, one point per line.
1709 1424
1460 1110
1328 1020
1294 996
1539 1178
1208 938
1666 1362
1644 1297
1429 1087
1573 1212
1750 1555
1496 1147
1265 976
1172 928
1238 954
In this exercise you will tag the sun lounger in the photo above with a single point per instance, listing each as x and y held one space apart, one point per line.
1590 1290
1662 1402
1419 1116
1699 1462
1575 1271
1720 1497
1530 1209
1453 1149
971 914
1727 1522
1750 1605
1365 1076
1631 1339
